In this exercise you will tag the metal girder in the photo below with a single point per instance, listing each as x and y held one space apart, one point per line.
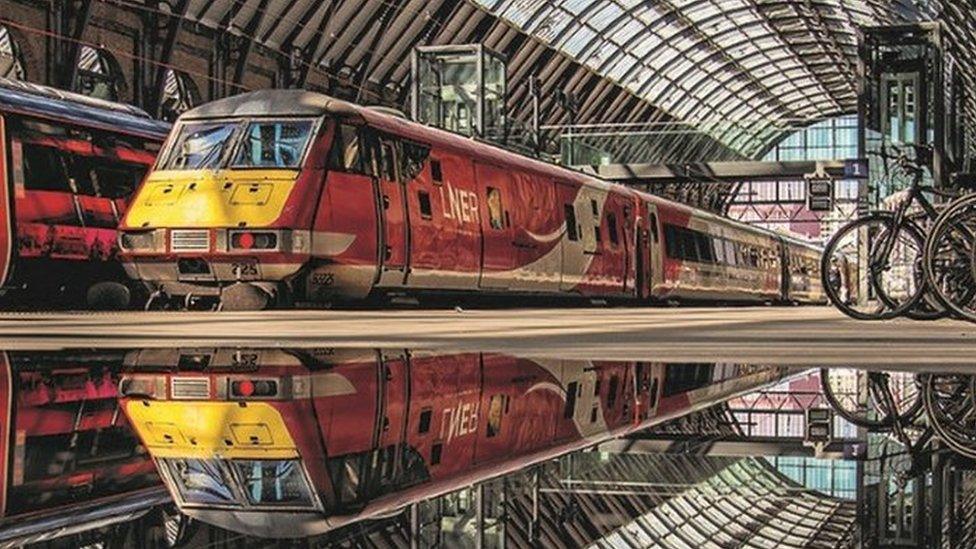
730 172
248 41
74 18
164 56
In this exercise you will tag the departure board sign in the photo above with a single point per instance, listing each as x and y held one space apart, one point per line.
820 195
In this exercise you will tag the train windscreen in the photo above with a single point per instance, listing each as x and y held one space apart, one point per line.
237 483
266 144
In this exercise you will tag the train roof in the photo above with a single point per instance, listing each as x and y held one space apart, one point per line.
41 101
287 103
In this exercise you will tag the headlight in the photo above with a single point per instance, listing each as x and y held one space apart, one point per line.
137 241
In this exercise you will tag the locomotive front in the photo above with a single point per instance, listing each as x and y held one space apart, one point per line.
225 214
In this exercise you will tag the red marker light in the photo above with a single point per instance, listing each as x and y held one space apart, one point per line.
245 240
245 388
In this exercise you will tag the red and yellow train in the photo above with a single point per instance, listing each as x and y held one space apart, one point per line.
68 165
278 197
68 460
277 443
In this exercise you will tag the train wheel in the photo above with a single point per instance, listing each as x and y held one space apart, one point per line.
108 296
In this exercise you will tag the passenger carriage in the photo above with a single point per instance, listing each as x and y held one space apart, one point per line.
68 165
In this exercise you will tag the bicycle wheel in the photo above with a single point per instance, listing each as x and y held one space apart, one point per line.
950 407
850 393
882 286
949 261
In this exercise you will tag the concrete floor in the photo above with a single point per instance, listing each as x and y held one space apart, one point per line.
801 336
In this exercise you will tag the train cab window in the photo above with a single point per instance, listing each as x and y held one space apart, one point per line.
652 221
496 408
596 234
274 482
273 144
496 217
571 232
414 158
612 229
199 146
348 154
436 171
595 208
115 180
423 197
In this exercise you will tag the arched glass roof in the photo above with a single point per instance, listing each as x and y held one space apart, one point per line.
741 71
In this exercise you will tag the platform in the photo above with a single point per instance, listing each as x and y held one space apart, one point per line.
800 336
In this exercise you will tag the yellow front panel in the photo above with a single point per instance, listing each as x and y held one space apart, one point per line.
208 198
205 430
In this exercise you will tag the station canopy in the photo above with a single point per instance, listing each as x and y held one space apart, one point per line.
740 73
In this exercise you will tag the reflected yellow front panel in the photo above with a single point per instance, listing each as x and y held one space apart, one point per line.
205 430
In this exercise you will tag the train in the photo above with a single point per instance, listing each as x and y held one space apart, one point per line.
285 443
68 166
69 463
277 198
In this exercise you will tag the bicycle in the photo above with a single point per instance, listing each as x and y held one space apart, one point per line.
894 282
949 258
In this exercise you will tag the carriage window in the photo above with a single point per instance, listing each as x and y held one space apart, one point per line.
495 409
435 453
570 408
199 146
424 426
116 180
612 229
730 258
278 144
495 216
612 391
388 161
571 232
347 153
425 210
414 158
436 171
46 169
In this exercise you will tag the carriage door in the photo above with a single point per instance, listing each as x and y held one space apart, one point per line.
6 212
394 249
650 253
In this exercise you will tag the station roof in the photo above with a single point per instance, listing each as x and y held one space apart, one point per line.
743 72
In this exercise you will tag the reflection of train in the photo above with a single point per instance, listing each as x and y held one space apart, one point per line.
68 459
284 196
68 165
292 443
